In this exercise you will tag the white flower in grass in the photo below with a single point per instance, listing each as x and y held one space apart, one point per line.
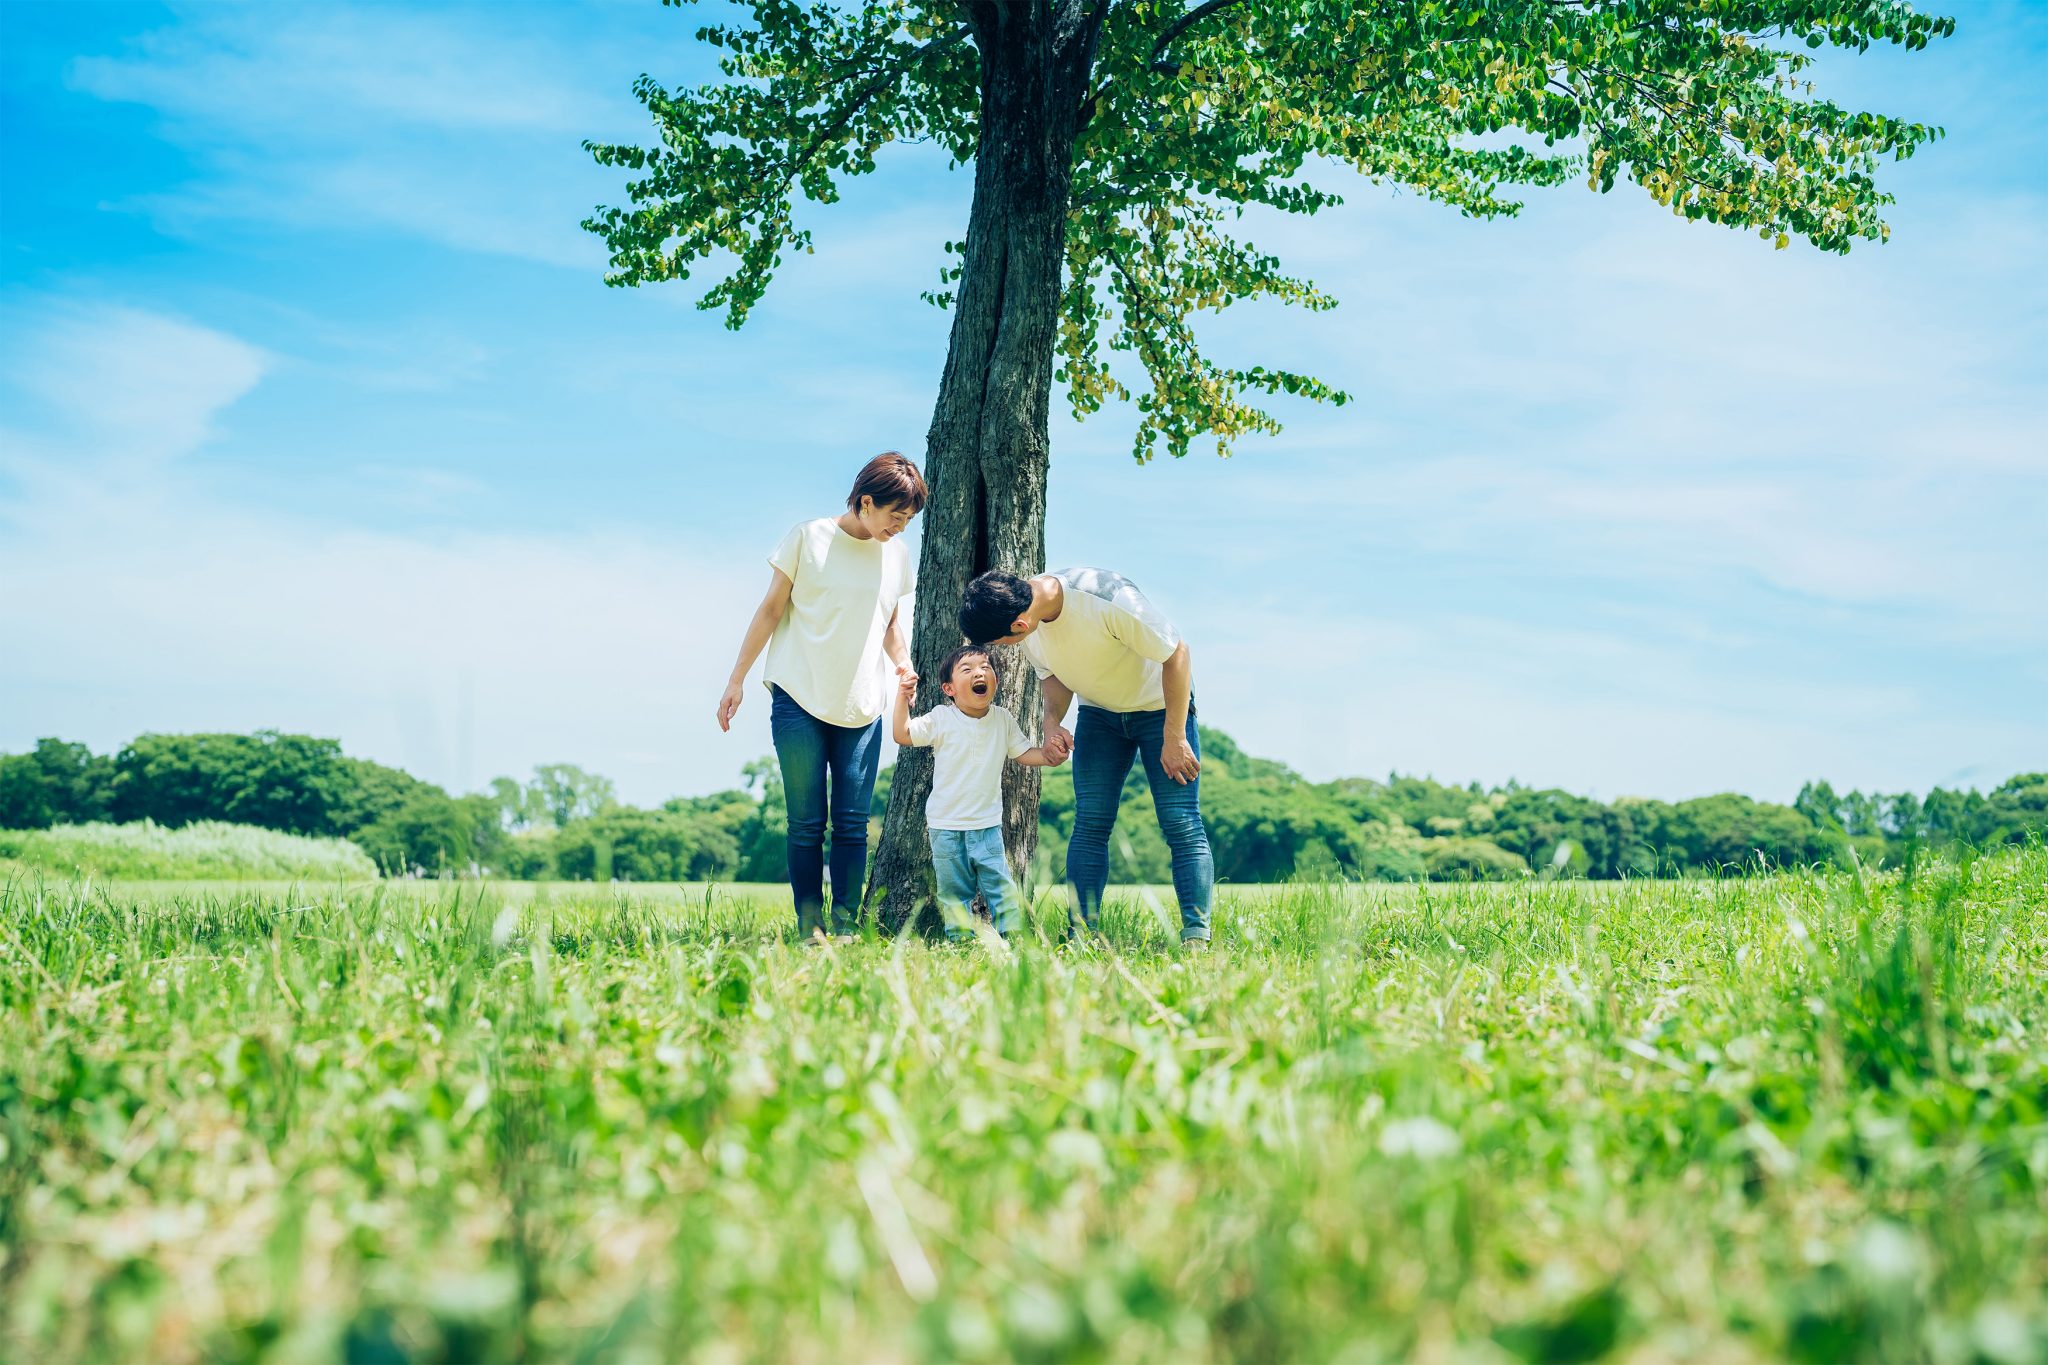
1422 1137
1887 1254
1071 1150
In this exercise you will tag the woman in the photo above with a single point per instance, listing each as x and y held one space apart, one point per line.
828 620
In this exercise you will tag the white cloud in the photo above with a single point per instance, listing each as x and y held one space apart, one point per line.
461 129
1591 711
323 72
157 604
409 193
457 656
134 384
1602 391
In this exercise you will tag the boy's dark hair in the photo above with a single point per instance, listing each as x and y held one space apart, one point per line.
891 480
952 661
993 603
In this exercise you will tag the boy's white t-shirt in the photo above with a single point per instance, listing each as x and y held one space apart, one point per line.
967 764
1106 644
826 652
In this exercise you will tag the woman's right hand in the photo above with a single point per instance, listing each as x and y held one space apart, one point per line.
729 704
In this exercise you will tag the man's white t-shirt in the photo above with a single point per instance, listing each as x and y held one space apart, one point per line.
967 764
826 651
1106 644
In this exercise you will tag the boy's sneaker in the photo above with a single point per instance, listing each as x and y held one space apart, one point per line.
1197 946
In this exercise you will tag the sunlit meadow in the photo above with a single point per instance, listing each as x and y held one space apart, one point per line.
1789 1116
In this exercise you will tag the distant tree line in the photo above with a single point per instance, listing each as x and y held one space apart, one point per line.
1266 822
294 783
562 822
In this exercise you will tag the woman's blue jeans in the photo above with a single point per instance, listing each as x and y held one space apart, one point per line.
1105 742
809 750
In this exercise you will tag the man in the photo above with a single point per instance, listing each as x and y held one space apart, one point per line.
1092 636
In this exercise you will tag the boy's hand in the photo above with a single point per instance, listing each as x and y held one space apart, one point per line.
906 683
1054 754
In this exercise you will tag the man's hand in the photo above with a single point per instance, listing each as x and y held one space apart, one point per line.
906 683
1178 758
1059 743
729 704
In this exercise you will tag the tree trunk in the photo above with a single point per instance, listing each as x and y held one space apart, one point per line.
986 454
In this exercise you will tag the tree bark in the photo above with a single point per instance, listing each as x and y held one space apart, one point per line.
986 456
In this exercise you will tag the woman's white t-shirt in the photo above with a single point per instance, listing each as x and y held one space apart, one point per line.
967 764
826 652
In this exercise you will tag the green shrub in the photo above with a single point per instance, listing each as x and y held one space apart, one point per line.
529 856
208 849
639 846
1470 860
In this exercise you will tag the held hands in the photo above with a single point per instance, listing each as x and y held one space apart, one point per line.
729 704
906 683
1178 758
1059 744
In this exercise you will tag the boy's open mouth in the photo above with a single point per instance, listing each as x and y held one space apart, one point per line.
980 689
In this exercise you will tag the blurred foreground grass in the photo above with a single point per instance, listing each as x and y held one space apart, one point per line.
1799 1116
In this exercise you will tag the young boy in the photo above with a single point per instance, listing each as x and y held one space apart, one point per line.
969 741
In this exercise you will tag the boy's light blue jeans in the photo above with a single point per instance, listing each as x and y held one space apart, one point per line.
969 860
1105 742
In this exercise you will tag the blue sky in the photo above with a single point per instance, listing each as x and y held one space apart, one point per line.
315 414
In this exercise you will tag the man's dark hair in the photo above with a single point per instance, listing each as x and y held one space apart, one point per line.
994 601
952 661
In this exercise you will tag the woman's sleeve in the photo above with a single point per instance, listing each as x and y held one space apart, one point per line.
788 551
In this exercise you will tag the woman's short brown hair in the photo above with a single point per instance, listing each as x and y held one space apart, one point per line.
891 480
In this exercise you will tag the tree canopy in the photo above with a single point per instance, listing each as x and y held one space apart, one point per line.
1191 115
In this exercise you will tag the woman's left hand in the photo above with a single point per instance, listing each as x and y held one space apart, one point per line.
1177 756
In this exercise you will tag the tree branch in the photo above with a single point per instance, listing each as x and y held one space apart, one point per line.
867 92
1180 26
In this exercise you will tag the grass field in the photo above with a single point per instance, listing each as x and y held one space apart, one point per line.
1799 1116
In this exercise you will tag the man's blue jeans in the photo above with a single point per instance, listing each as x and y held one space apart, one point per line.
1105 742
969 860
808 749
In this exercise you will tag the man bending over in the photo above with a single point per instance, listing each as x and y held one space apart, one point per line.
1093 637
